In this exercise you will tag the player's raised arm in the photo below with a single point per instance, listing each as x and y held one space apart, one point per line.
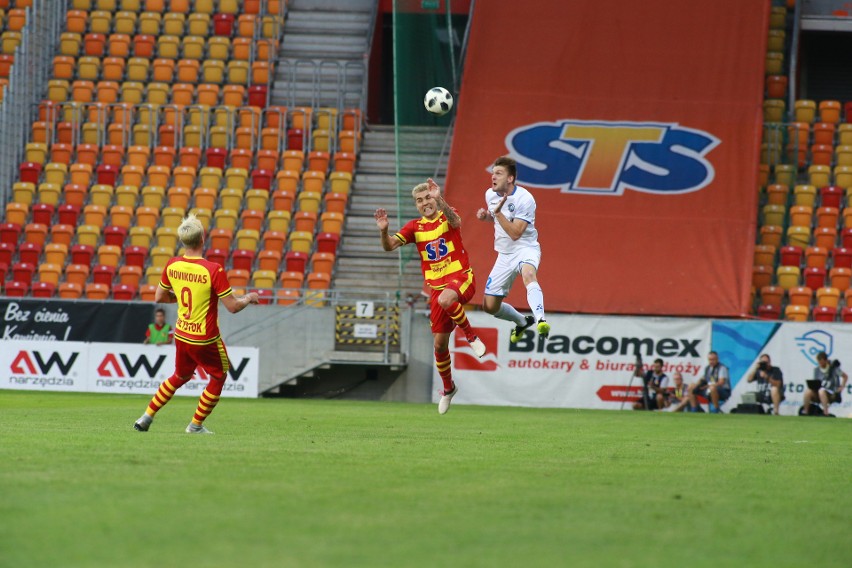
453 218
388 242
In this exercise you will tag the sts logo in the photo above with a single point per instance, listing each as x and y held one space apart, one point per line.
464 358
436 249
813 342
605 158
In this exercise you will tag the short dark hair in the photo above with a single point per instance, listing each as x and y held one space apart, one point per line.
159 311
510 164
713 353
660 361
768 358
822 355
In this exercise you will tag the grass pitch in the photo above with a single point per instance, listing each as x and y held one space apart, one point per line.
332 483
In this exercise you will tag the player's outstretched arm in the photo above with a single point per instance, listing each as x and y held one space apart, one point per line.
236 304
452 217
388 242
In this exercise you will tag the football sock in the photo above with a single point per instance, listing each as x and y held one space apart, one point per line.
508 313
458 315
164 394
443 364
208 400
535 298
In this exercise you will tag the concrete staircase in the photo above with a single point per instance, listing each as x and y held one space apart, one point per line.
362 264
322 59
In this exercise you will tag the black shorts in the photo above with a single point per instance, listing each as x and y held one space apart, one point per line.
765 396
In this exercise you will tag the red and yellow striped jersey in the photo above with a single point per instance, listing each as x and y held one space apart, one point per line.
198 284
442 254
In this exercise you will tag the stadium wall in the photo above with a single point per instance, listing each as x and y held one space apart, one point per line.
636 125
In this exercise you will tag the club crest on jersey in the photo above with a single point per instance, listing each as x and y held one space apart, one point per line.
437 249
511 208
607 158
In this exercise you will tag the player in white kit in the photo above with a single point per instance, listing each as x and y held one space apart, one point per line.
512 209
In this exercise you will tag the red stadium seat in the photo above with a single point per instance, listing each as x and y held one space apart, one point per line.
841 257
242 260
124 292
23 271
103 274
115 236
327 242
791 256
29 253
824 313
295 261
10 233
82 254
16 289
219 256
769 312
135 256
43 290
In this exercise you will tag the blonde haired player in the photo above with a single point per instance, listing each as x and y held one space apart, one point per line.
196 285
446 269
512 209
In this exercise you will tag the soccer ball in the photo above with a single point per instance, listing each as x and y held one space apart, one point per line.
438 101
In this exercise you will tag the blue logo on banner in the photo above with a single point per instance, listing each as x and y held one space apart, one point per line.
813 342
605 158
739 343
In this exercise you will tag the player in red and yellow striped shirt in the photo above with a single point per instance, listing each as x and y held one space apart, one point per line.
196 285
446 269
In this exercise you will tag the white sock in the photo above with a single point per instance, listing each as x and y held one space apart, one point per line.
535 298
508 313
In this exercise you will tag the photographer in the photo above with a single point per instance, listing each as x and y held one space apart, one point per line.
829 375
654 385
770 382
713 386
678 396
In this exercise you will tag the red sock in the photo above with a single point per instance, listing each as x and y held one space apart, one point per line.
458 315
164 394
443 363
208 400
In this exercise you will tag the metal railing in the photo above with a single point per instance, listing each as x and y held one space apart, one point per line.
27 82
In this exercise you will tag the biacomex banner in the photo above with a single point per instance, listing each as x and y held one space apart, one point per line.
74 366
587 362
636 126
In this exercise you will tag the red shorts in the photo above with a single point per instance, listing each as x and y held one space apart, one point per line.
465 287
211 357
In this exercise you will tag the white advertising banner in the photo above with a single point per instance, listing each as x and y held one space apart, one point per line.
792 347
114 368
44 365
587 362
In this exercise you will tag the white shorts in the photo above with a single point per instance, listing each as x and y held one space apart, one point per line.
507 267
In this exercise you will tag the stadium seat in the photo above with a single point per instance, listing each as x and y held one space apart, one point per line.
846 314
124 292
825 237
796 313
771 295
55 253
263 278
324 262
327 242
796 236
147 292
140 236
153 275
221 239
828 296
841 257
15 289
333 222
219 256
317 283
787 277
274 240
238 278
301 241
814 277
96 291
135 256
816 256
103 274
242 259
247 239
825 313
130 275
296 261
22 271
70 290
293 280
800 295
269 260
29 252
305 221
769 311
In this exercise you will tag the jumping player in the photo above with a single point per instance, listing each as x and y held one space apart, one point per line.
196 285
512 209
447 272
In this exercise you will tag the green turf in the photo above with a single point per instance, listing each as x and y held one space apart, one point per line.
331 483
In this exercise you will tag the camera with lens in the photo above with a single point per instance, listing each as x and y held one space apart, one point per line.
763 366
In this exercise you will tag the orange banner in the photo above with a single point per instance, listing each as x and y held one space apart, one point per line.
636 126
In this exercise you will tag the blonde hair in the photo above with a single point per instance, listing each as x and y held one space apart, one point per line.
191 232
419 188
